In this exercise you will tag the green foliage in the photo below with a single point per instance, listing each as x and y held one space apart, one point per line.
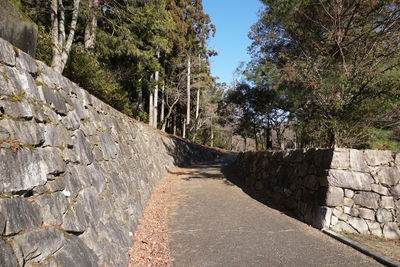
85 70
383 140
335 63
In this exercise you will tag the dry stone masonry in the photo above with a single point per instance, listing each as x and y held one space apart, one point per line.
342 189
74 173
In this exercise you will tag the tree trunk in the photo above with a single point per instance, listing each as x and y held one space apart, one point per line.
91 25
188 95
197 103
155 112
184 129
212 137
162 108
151 108
60 45
174 122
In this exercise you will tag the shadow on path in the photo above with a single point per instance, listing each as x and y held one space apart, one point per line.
212 222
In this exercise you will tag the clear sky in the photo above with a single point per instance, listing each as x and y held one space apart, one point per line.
233 19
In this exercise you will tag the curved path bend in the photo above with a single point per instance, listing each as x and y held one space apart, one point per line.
212 222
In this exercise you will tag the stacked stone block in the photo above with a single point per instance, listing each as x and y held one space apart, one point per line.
343 189
74 173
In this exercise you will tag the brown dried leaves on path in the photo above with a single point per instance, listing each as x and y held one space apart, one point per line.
151 246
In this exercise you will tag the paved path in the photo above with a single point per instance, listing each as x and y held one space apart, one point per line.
214 223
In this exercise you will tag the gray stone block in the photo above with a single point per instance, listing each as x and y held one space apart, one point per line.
388 176
380 189
56 135
384 215
378 157
20 215
26 132
334 196
350 180
21 170
53 98
76 253
7 53
25 62
75 219
7 255
344 227
82 151
340 159
348 193
367 200
37 245
52 206
18 109
387 202
367 214
375 228
17 28
357 161
359 224
391 230
395 190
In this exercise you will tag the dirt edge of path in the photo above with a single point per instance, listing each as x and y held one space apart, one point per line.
151 243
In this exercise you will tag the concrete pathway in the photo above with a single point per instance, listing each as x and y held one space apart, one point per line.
212 222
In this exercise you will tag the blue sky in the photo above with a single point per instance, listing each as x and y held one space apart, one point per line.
233 19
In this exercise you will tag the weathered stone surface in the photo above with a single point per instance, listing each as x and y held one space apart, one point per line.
334 196
52 206
7 256
25 132
21 170
18 109
81 149
348 202
53 98
391 231
56 135
367 199
76 253
357 161
350 180
334 220
37 245
71 121
338 212
340 159
348 193
17 28
375 228
20 215
387 202
380 189
367 214
388 176
378 157
384 215
7 54
344 227
359 224
395 190
75 219
25 62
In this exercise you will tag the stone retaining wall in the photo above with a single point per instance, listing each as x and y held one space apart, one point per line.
74 173
342 189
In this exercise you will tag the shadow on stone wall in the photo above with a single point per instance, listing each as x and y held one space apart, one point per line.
293 182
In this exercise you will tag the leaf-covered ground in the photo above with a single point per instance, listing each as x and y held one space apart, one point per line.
151 238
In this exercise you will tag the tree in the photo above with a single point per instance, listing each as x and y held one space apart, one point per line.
334 60
61 44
